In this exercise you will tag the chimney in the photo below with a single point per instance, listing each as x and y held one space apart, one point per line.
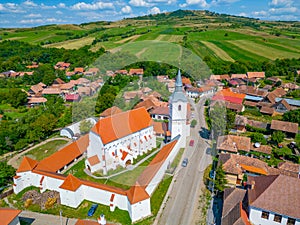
252 185
102 220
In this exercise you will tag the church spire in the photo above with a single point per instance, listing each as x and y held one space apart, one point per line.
178 84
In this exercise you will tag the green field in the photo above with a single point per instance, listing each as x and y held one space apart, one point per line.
219 37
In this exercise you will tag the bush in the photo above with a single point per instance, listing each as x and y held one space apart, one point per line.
258 137
256 129
277 136
28 203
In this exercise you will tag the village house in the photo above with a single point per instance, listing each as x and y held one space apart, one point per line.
282 106
235 207
37 89
62 66
291 129
118 139
220 77
160 128
110 112
194 92
233 144
36 101
160 113
255 75
9 216
289 169
91 72
139 72
236 166
239 76
228 96
274 200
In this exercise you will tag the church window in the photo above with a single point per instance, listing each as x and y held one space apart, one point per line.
179 108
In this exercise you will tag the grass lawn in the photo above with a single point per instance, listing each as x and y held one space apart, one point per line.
124 180
44 151
177 159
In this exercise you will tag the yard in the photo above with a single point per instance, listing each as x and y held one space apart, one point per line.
44 150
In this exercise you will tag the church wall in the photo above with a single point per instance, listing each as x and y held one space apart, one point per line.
140 210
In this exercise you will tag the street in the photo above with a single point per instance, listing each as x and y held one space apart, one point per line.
181 205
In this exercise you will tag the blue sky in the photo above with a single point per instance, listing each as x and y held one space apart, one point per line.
29 13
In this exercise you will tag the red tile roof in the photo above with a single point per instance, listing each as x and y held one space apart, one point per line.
136 71
27 164
93 160
64 156
255 75
284 126
267 110
228 95
136 194
233 143
111 111
8 215
71 183
279 194
36 100
122 124
147 175
238 76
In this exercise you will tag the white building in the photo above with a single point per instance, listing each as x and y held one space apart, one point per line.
73 191
274 200
118 139
178 104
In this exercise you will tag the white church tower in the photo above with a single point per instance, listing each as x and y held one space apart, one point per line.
178 113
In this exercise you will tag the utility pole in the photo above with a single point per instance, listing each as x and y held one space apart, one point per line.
60 215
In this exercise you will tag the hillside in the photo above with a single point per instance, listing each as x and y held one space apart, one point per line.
214 37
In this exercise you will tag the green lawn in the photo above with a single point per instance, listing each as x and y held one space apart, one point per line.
44 151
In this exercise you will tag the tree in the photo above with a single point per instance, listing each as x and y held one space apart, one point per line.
193 123
217 116
16 97
292 116
220 179
258 137
277 136
6 173
85 126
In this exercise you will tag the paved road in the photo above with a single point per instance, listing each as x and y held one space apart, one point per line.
184 195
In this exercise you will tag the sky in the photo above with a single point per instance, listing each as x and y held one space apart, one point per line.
30 13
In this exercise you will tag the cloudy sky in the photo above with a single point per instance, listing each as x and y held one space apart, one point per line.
28 13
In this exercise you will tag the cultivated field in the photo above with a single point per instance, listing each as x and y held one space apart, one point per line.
218 51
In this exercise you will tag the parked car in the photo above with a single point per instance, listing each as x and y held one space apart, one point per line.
184 162
92 209
192 143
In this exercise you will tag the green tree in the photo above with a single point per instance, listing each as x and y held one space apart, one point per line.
193 123
85 126
6 173
277 136
16 97
217 116
292 116
258 137
104 101
220 179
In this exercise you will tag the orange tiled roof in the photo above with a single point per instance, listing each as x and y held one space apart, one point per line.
64 156
71 183
122 124
93 160
136 194
150 171
8 215
255 75
27 164
186 80
254 169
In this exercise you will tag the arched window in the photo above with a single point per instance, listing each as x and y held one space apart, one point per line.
179 108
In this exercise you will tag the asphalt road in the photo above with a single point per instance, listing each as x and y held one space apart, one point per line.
183 198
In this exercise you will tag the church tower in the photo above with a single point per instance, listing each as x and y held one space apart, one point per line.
178 113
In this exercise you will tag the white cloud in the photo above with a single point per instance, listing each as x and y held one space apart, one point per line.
283 10
61 5
29 3
260 13
154 10
93 6
53 20
43 6
59 12
201 3
242 14
11 5
33 15
126 9
2 8
281 3
31 21
140 3
168 2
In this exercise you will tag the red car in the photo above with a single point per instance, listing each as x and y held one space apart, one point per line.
191 143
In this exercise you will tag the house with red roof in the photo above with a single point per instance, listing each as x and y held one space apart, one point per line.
118 139
9 216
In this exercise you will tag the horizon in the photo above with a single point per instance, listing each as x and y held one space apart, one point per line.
28 14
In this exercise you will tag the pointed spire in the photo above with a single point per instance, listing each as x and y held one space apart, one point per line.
178 85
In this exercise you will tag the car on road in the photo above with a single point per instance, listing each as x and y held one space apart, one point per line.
184 162
191 143
92 209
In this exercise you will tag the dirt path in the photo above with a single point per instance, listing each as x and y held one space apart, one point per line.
130 39
139 54
13 161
